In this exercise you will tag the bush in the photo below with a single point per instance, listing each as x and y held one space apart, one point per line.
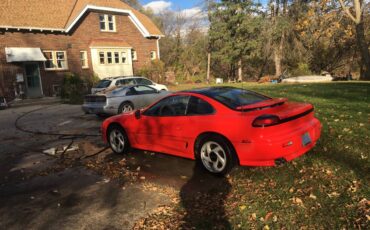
155 70
301 69
73 89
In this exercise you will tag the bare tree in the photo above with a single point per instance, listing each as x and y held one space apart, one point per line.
358 7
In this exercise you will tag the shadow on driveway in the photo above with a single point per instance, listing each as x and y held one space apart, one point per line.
203 198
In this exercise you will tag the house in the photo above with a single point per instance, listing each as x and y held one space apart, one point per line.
42 40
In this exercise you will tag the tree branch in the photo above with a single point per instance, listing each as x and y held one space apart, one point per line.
349 14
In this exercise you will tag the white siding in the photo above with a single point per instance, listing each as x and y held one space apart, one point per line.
111 69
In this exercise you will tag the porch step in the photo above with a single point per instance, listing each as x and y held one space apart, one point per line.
34 101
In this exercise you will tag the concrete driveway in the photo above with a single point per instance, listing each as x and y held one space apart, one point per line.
86 188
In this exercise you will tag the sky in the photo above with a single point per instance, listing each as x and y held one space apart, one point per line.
192 10
177 5
173 4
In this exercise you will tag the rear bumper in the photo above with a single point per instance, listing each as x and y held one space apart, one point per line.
265 151
98 109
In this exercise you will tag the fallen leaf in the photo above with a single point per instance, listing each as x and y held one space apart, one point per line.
268 216
242 207
312 196
298 201
254 216
333 194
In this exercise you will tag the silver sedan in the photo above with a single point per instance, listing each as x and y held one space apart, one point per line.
122 100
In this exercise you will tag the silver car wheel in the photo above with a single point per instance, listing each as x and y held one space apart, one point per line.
213 157
127 108
117 140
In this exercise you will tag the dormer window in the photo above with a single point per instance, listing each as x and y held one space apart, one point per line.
107 23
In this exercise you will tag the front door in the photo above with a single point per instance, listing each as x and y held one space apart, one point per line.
161 127
33 81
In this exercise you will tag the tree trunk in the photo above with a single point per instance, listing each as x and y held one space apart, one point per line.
278 54
362 47
209 68
240 71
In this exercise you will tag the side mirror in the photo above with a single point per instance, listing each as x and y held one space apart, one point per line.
138 114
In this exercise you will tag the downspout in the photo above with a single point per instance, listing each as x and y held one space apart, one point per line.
158 51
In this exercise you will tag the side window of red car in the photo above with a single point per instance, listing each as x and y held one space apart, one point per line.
170 106
198 106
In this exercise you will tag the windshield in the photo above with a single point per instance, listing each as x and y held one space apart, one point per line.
234 97
103 84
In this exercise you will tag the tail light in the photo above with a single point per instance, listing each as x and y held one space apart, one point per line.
266 120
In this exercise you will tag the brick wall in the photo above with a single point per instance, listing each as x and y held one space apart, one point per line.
74 42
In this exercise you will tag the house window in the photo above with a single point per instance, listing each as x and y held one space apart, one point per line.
116 57
56 60
111 23
134 55
109 58
61 60
153 55
49 60
123 57
107 23
84 62
113 57
102 57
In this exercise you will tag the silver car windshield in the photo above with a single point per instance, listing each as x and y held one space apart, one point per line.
103 84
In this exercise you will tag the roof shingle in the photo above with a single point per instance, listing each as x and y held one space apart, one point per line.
59 14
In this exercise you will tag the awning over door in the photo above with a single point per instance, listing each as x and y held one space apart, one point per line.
24 54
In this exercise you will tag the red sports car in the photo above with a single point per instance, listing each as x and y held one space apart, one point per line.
219 127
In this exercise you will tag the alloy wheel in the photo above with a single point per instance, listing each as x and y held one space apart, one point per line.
117 140
126 108
213 157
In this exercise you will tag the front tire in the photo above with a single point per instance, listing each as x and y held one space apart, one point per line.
118 140
215 154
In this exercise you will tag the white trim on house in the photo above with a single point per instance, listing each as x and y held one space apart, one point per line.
158 50
110 47
113 68
132 17
31 28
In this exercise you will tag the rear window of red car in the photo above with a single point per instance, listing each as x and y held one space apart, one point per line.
234 97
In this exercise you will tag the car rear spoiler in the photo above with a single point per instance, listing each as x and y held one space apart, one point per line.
263 104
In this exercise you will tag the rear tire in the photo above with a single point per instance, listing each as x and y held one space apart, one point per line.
118 140
126 107
215 154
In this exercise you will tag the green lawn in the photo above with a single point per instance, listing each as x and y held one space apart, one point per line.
326 188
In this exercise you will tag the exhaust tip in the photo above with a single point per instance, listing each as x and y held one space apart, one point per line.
280 161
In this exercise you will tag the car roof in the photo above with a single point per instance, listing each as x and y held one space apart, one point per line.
207 90
129 86
121 77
